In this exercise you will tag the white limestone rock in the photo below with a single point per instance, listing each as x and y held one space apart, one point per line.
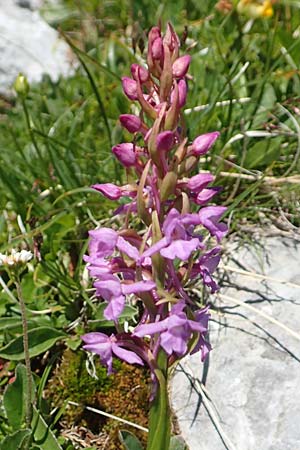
29 45
253 373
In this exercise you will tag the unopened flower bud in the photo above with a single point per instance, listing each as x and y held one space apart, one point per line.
125 153
157 48
182 92
165 141
154 33
131 122
109 190
130 88
203 143
21 85
207 194
172 41
139 73
200 181
181 66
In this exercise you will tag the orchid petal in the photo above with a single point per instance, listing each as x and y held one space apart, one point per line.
155 248
140 286
151 328
126 355
210 216
109 190
108 287
114 308
125 247
102 242
180 249
95 336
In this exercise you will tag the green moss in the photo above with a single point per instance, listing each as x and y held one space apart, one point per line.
124 394
71 379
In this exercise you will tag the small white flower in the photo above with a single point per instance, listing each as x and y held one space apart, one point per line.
15 258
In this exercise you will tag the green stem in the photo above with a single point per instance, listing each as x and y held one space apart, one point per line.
160 417
30 130
28 415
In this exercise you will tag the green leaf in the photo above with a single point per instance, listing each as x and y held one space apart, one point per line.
177 443
40 340
243 195
16 440
7 323
73 343
14 324
263 153
129 440
269 97
292 45
43 435
15 398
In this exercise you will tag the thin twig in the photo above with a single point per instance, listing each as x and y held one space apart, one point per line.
111 416
293 179
223 103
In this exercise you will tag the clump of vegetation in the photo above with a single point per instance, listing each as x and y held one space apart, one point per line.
124 394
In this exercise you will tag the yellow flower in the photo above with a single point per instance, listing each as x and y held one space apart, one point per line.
255 9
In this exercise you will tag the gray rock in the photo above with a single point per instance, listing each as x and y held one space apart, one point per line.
253 374
29 45
29 4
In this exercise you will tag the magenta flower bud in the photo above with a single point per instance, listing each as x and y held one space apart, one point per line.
206 195
165 141
182 93
125 153
109 190
181 66
157 48
130 88
200 181
172 41
203 143
131 122
154 33
139 73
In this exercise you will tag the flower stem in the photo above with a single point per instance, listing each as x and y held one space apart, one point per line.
30 129
28 414
160 417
